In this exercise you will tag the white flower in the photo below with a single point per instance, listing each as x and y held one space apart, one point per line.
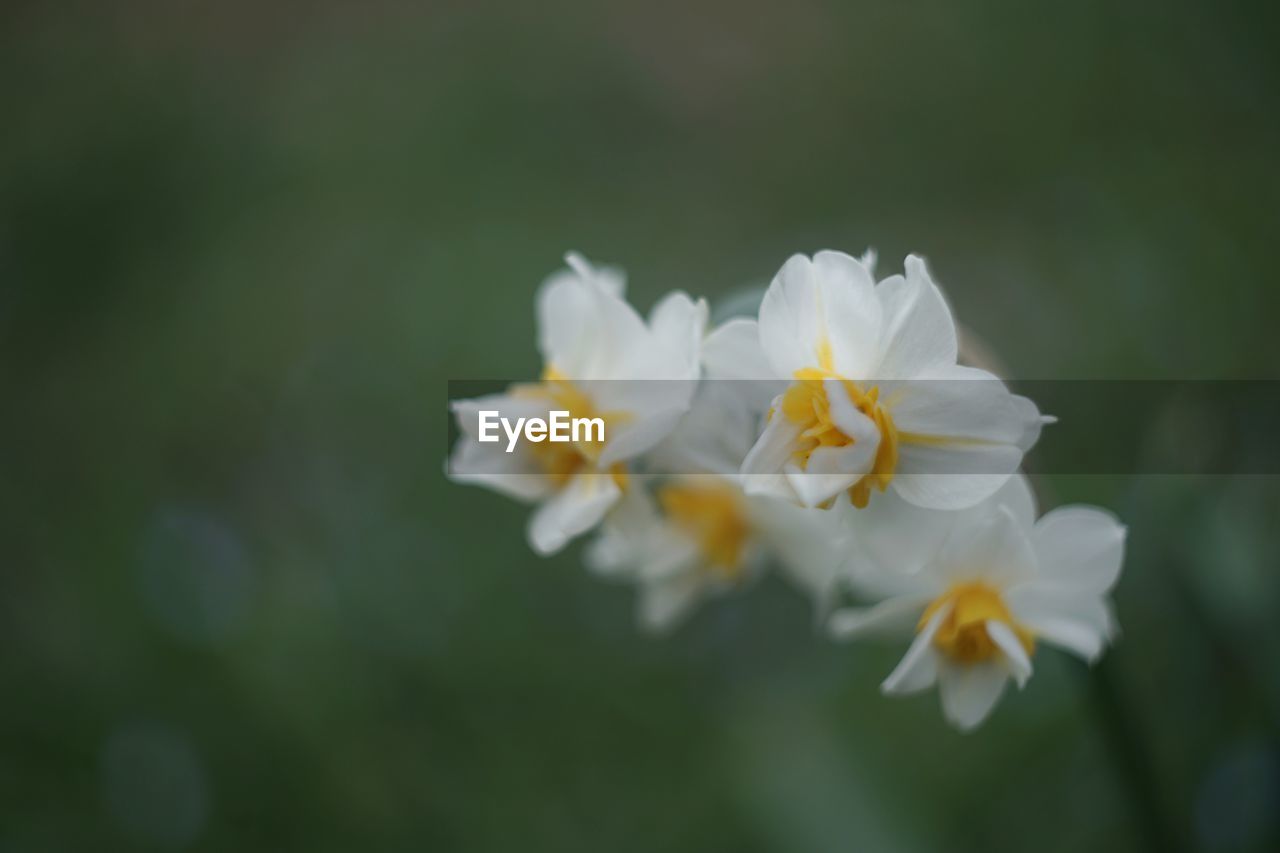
699 534
875 398
600 360
981 588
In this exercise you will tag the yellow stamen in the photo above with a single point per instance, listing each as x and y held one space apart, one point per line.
713 514
963 636
805 403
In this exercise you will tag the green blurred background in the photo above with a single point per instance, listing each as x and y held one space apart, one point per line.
244 246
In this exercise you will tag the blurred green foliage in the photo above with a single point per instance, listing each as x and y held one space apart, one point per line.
243 247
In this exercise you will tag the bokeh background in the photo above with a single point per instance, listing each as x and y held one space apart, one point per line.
244 246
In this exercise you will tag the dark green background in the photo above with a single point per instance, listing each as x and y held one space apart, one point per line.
244 246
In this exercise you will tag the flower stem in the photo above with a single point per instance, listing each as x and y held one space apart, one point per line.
1132 763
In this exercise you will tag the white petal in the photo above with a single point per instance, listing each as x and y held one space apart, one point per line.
610 554
1038 597
772 451
899 540
678 324
1019 498
629 438
1080 546
639 396
664 603
994 549
919 334
1015 655
1076 637
954 476
713 438
511 406
894 616
789 318
732 351
827 301
773 486
668 553
808 545
585 330
612 280
918 668
969 692
830 471
516 475
1079 622
627 530
961 403
852 312
958 440
846 416
573 510
1030 415
868 260
732 356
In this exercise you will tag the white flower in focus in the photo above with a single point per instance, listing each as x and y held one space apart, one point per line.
985 588
876 398
699 534
600 359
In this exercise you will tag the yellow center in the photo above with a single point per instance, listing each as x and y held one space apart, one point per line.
713 515
562 460
963 636
806 404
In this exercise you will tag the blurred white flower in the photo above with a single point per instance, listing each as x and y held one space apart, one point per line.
875 398
596 351
700 534
980 588
842 387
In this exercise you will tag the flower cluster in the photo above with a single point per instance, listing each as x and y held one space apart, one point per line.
835 438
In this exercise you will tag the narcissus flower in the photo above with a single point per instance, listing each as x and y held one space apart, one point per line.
699 534
600 361
982 589
876 399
